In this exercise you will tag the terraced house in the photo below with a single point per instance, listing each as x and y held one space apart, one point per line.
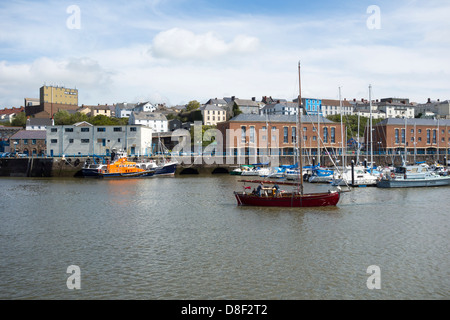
29 142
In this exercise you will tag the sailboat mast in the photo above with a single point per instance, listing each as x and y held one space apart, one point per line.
371 131
342 130
300 136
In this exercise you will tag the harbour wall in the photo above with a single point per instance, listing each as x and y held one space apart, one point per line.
71 167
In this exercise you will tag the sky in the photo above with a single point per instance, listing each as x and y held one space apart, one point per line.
175 51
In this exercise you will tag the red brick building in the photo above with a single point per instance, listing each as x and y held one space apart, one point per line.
257 134
420 136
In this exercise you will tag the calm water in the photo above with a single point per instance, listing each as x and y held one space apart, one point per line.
186 238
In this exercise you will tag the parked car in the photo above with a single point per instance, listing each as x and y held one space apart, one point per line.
5 154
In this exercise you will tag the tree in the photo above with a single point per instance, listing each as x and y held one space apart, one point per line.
20 120
62 117
193 105
351 123
236 110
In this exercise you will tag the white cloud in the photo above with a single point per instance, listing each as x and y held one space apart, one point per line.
178 43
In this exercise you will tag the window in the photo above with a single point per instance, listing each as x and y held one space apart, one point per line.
333 135
428 136
397 140
419 139
325 135
54 130
305 129
101 129
84 129
434 136
294 134
54 141
118 140
243 133
84 140
285 135
33 141
133 129
420 131
25 141
252 134
117 129
68 129
70 140
403 136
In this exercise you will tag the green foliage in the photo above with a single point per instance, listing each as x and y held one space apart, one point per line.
193 105
207 138
20 120
63 117
236 110
351 123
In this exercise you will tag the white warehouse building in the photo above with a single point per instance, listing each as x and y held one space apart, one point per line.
84 139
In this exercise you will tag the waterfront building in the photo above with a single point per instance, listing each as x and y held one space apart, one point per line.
93 111
283 108
38 123
145 107
411 136
333 107
51 100
29 142
438 109
217 102
83 139
278 134
5 135
312 106
245 105
32 102
124 110
212 114
155 120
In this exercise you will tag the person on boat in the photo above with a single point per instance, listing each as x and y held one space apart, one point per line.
276 190
258 190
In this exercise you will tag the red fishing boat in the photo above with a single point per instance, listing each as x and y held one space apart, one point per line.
273 197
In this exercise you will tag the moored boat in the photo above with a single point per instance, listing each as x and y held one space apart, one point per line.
273 197
296 198
122 168
413 176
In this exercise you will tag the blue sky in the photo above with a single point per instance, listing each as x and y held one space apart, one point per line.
175 51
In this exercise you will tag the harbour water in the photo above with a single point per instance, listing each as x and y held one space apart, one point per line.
185 237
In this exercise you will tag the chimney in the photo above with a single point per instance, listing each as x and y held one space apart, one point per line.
254 99
429 100
233 97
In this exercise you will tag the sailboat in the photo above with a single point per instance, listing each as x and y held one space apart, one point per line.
272 196
357 175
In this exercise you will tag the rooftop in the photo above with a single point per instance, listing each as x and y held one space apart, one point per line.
279 118
30 134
